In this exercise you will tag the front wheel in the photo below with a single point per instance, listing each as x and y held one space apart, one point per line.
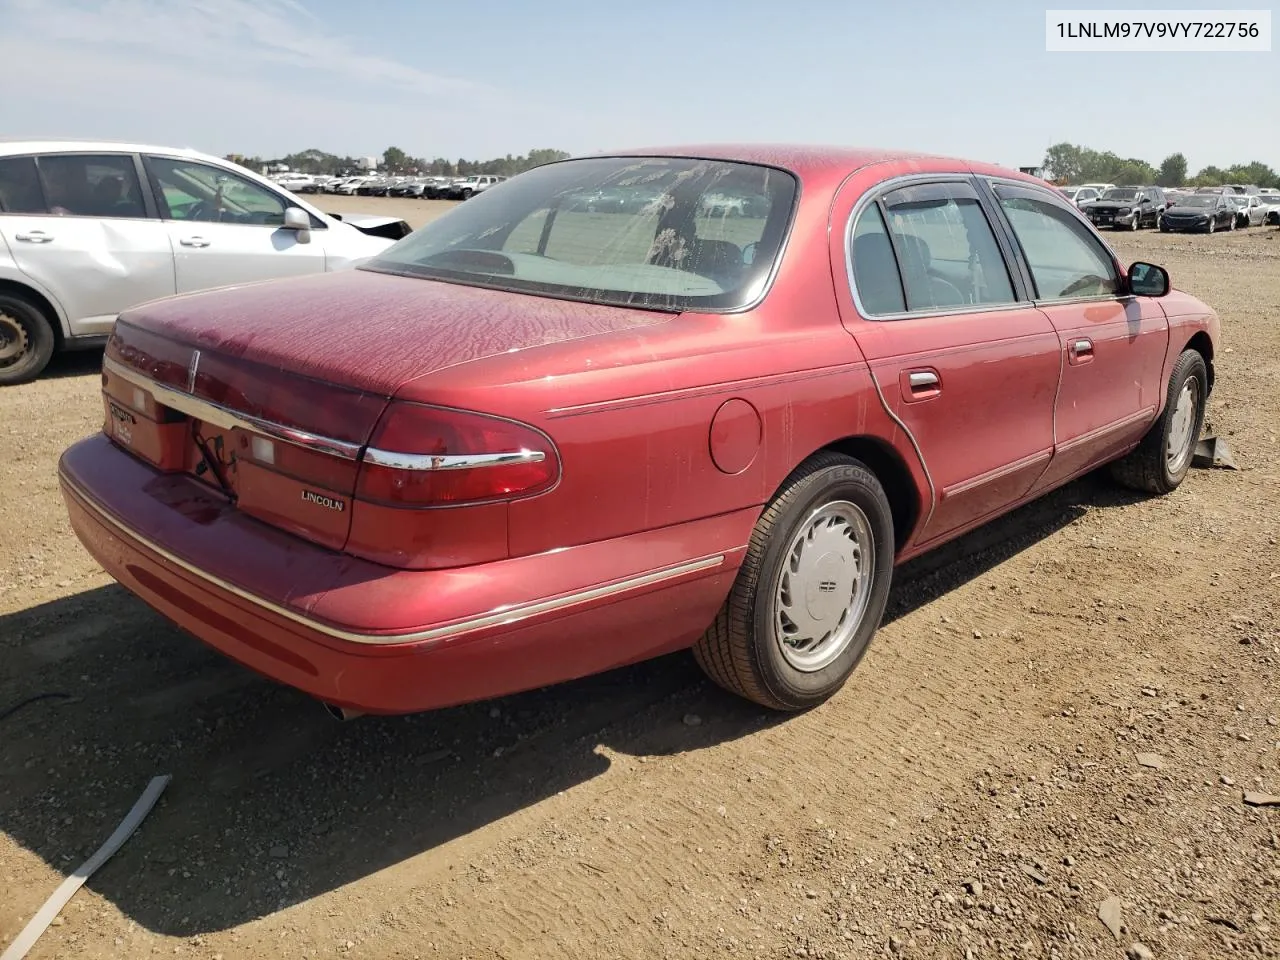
467 194
811 590
1160 462
1137 222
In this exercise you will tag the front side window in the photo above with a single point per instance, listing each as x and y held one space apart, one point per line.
20 186
87 185
199 192
665 233
1065 259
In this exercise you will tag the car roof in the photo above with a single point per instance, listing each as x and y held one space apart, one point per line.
11 146
808 160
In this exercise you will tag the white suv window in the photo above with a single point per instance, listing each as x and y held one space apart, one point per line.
89 185
194 191
20 186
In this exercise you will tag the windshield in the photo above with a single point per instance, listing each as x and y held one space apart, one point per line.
1198 200
658 232
1122 193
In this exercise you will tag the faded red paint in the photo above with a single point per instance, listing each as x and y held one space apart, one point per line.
651 479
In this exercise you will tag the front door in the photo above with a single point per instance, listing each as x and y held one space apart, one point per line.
77 225
226 229
967 364
1113 346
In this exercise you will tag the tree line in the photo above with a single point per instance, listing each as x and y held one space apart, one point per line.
397 161
1074 163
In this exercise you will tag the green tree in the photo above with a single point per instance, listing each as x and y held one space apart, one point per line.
1061 161
1173 171
1208 177
394 159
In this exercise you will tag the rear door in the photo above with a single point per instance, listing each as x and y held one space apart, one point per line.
960 355
1113 345
81 227
226 229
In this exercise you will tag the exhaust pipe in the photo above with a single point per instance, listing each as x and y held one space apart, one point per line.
342 713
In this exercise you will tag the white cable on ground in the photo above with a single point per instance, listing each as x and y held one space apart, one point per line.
44 916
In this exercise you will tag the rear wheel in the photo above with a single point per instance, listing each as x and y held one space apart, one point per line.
1160 462
26 339
811 591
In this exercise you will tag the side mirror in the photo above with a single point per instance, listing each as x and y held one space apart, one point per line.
1148 280
296 219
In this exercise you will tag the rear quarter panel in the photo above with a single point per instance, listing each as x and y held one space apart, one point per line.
632 412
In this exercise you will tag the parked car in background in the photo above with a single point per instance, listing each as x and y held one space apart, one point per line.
1270 208
436 187
1126 208
317 185
1251 210
399 487
1101 188
1200 211
350 186
464 188
1081 195
88 229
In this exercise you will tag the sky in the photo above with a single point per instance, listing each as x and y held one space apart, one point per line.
271 77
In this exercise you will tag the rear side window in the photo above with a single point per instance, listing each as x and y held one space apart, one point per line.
86 185
20 186
931 248
875 271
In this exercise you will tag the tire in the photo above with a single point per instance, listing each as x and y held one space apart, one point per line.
1213 225
1234 221
466 194
1152 466
26 339
828 503
1164 228
1137 222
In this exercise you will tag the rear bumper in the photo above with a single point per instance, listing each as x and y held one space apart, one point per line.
383 640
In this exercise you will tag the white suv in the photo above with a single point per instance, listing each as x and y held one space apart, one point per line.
90 229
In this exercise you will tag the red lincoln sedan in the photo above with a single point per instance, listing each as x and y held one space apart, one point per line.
623 405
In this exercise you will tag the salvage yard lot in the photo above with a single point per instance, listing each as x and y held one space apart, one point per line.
974 786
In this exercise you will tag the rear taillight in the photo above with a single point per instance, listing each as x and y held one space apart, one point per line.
425 456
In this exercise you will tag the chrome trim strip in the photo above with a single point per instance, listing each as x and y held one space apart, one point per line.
227 419
999 473
1115 426
427 461
499 616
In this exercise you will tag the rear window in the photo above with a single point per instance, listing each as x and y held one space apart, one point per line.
658 232
20 186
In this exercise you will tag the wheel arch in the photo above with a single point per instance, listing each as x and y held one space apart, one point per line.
882 459
1203 345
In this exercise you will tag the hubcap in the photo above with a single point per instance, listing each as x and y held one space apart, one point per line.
825 585
1182 425
13 340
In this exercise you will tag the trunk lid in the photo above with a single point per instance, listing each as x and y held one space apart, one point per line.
269 392
373 331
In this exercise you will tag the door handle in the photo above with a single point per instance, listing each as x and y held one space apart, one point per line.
1081 350
33 236
194 242
920 384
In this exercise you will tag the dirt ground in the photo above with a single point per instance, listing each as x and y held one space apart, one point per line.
982 785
